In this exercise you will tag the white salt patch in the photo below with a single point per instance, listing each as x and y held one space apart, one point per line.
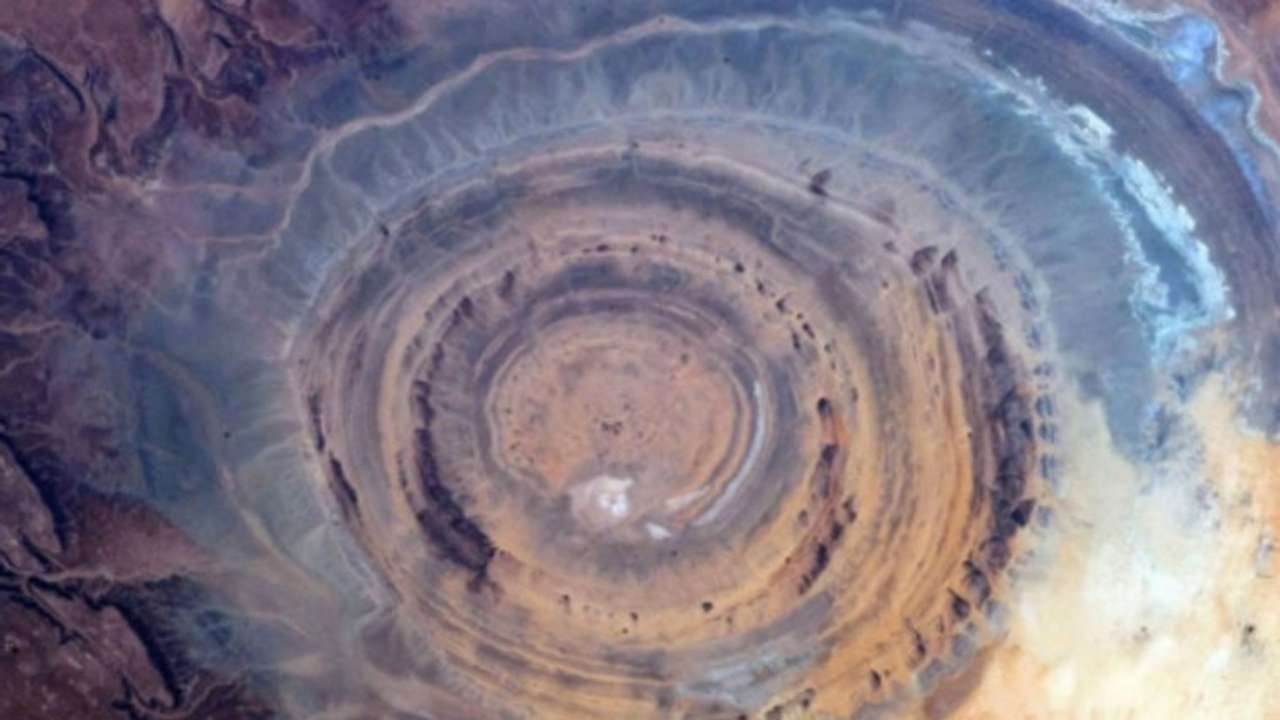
611 495
657 532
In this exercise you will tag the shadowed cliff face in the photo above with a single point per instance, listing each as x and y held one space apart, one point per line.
638 360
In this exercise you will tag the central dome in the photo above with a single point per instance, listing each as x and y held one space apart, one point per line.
633 410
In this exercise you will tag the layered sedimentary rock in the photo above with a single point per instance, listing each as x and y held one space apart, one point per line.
629 360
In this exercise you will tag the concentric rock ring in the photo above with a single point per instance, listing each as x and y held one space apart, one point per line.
679 437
